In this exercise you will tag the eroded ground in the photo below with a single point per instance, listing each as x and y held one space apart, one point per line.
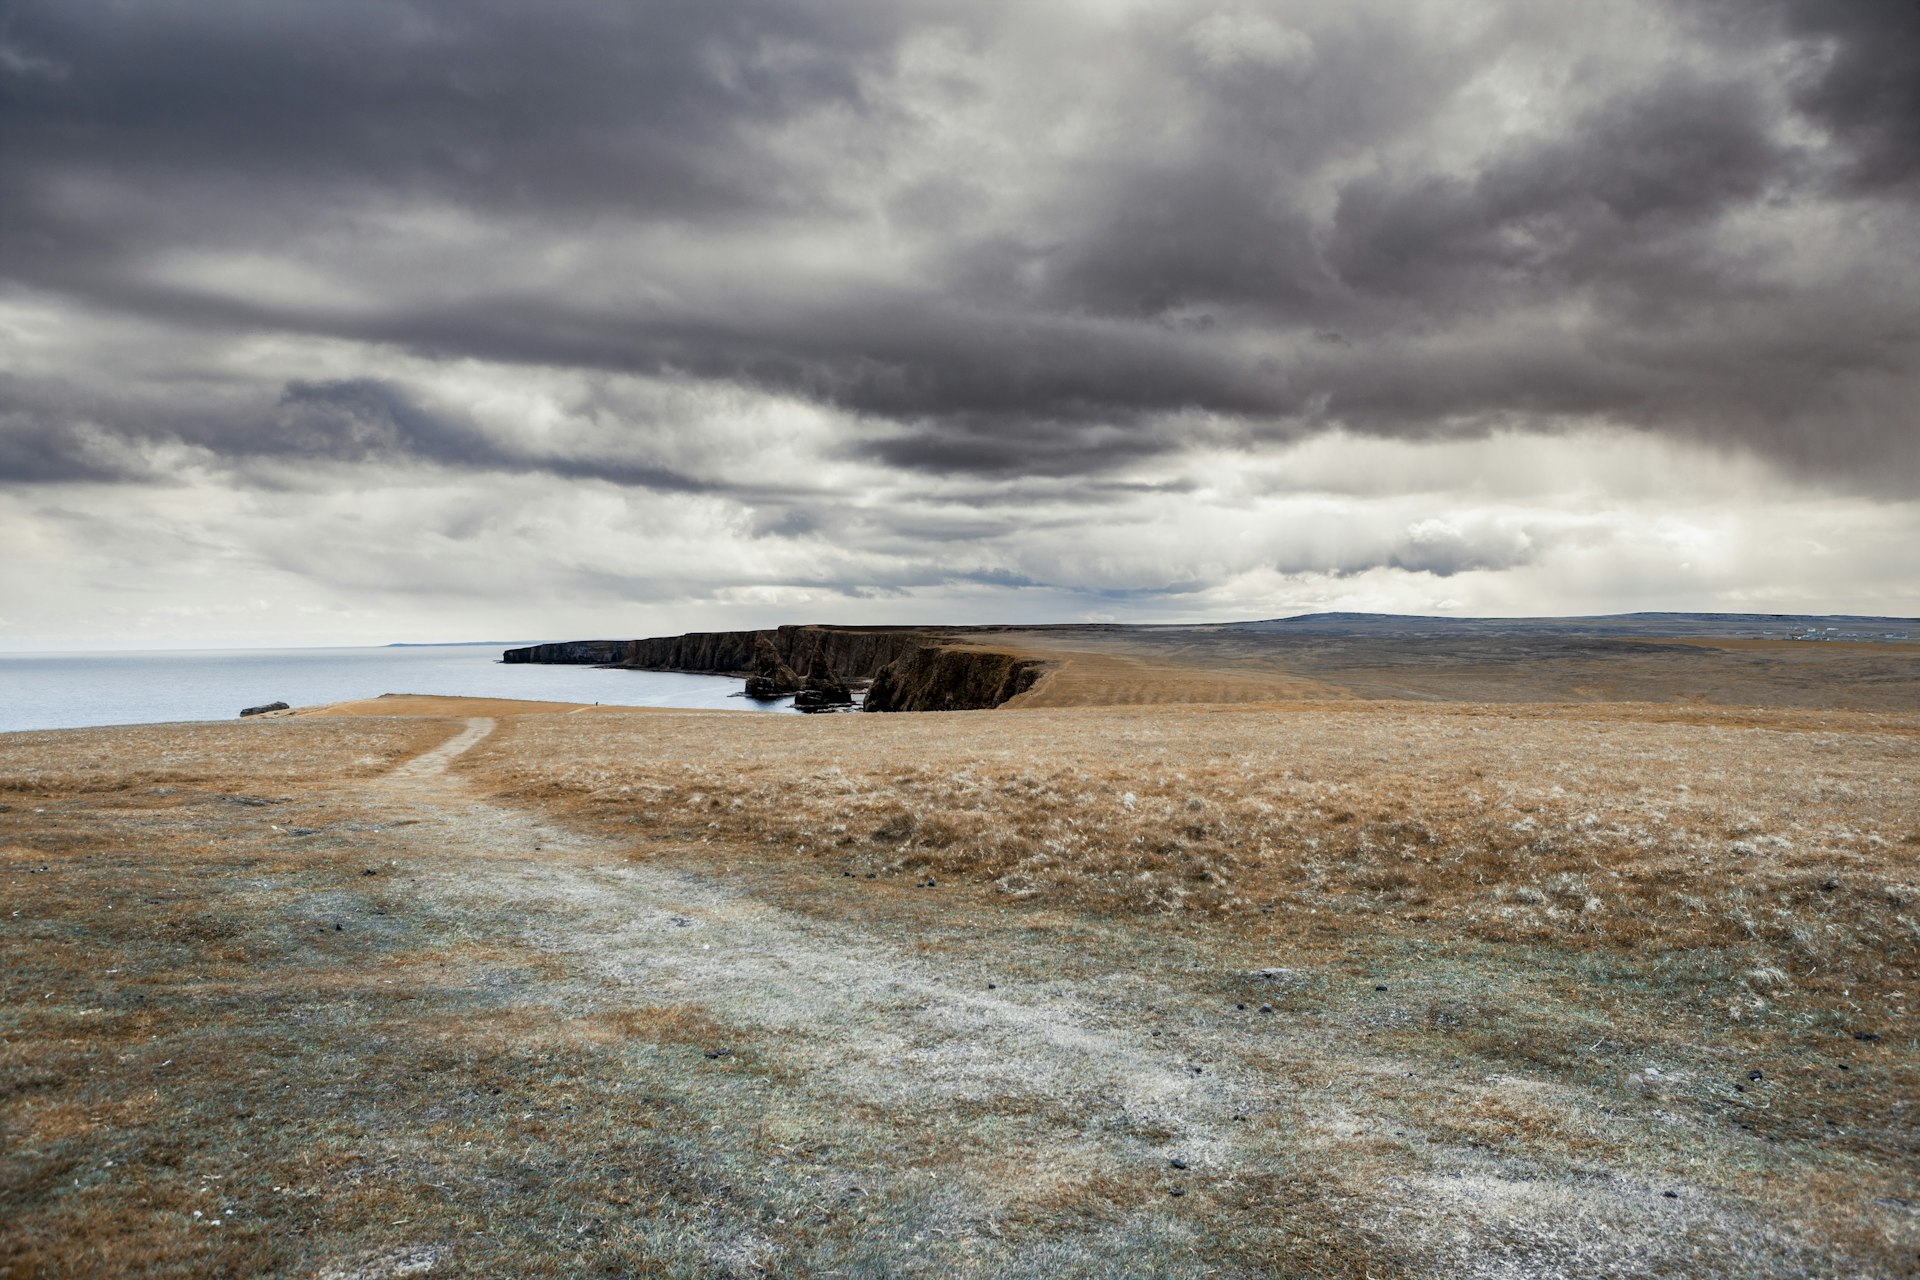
1404 990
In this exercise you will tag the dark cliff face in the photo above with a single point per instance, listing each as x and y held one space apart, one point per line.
909 669
710 652
935 679
851 654
575 652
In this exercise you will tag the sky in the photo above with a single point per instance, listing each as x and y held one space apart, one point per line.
379 320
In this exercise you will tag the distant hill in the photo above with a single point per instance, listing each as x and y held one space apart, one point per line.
448 644
1729 626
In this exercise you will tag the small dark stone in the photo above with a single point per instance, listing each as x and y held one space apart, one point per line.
992 985
369 872
1753 1075
1155 1033
1379 988
1829 884
1739 1088
931 882
1845 1067
1241 1007
846 875
1266 1008
719 1053
1866 1035
1671 1195
1177 1163
338 927
1239 1117
869 875
1177 1191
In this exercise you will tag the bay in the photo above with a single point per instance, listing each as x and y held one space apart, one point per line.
76 690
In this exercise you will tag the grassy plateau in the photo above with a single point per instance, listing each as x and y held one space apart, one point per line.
1343 987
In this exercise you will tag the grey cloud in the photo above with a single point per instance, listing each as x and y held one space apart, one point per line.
1589 205
576 102
51 435
1863 82
41 448
1160 270
364 419
1444 549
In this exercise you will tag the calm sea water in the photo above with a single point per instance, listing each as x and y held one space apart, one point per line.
73 690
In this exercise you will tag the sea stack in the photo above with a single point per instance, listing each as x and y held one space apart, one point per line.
772 677
824 691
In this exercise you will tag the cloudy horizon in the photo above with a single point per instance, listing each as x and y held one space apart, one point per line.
365 322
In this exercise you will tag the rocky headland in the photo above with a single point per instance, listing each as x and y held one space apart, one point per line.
903 668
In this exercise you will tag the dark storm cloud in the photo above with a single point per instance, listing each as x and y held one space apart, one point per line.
1626 182
339 422
360 420
40 450
1000 242
1862 80
572 102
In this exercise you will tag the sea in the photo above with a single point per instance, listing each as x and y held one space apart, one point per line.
77 690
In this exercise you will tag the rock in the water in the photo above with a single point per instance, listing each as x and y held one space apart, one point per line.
262 710
772 677
823 691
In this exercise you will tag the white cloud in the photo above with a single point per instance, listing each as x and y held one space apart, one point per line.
1238 37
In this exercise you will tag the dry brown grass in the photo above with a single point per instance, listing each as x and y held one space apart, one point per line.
58 764
1592 923
1670 830
1170 666
1079 677
1611 887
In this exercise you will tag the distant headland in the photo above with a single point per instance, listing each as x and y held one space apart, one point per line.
1652 656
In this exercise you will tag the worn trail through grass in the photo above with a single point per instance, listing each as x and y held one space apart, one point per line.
318 1001
1105 1080
848 1019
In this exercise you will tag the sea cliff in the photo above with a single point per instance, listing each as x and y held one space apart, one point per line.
910 668
602 653
938 678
